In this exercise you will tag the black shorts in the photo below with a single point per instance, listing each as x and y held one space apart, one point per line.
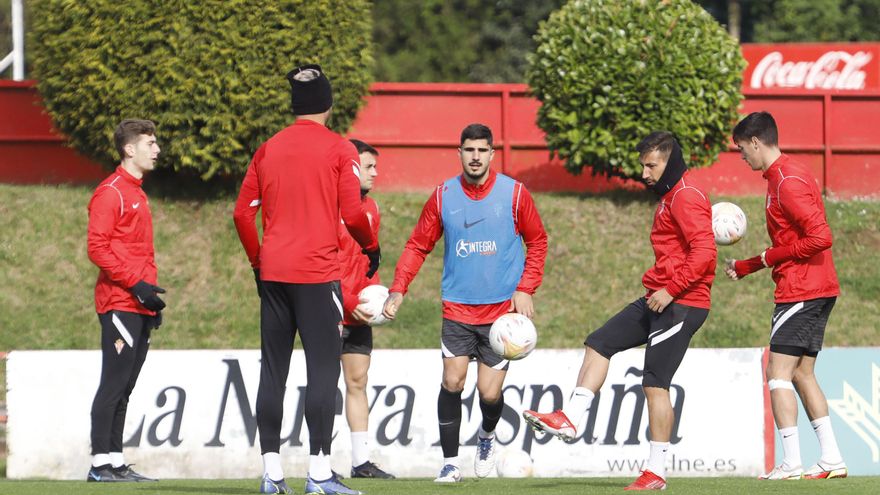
460 339
357 339
798 328
667 334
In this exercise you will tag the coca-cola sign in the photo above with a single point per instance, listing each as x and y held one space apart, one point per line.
813 66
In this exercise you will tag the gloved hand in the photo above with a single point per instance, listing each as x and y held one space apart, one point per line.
375 258
146 295
259 282
156 322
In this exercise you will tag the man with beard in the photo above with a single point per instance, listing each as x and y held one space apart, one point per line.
673 309
484 218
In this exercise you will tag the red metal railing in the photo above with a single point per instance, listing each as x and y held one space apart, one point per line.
416 127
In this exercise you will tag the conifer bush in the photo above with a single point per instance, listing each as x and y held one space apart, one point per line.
211 74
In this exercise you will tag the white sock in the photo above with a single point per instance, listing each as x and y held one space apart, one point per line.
100 460
827 442
657 461
360 448
486 434
451 460
791 447
272 466
580 400
116 459
319 467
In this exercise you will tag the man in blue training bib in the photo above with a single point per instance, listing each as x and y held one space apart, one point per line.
486 218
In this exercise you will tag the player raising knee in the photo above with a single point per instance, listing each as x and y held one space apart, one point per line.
676 305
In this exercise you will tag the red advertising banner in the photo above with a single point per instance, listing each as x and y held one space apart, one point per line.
812 66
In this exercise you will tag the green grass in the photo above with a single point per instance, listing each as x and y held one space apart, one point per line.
554 486
599 249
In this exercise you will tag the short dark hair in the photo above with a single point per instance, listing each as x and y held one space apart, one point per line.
662 141
760 125
129 130
476 131
363 147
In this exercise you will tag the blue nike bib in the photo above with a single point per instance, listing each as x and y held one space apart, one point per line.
484 257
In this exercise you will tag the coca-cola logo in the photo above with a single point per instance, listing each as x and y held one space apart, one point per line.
835 69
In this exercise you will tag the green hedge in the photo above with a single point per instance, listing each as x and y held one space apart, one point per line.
209 73
610 71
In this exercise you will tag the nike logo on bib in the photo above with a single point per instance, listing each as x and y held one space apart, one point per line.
469 225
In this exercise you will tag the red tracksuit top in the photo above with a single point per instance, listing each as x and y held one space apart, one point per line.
429 229
684 246
803 268
355 263
120 242
304 177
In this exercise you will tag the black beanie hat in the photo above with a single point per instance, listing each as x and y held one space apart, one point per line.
310 90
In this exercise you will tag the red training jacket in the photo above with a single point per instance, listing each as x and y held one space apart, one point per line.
355 263
684 246
803 267
304 177
120 242
429 229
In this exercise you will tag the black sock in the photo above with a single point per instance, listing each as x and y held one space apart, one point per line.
491 413
449 414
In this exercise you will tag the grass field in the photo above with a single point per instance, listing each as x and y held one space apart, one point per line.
554 486
599 249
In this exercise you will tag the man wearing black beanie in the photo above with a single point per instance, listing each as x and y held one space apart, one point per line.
305 178
675 306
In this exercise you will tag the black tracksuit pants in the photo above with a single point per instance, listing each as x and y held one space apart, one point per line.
125 340
315 310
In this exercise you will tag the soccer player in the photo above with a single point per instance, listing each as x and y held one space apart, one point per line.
673 309
806 290
357 334
120 243
484 218
304 177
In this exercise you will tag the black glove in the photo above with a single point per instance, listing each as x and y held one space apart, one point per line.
375 257
259 282
146 295
157 320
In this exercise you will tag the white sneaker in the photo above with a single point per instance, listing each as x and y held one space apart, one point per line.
783 472
823 471
449 474
484 461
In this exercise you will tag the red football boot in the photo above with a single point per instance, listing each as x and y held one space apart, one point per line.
555 423
647 481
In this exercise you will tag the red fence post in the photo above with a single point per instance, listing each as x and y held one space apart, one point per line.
826 139
505 129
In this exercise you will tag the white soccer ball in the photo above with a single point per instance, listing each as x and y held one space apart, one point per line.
513 336
375 296
728 223
514 463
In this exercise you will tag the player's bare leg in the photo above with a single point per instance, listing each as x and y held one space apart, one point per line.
563 423
593 370
357 411
489 385
780 372
830 464
660 420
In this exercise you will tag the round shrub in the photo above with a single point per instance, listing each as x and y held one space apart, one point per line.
210 74
608 72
